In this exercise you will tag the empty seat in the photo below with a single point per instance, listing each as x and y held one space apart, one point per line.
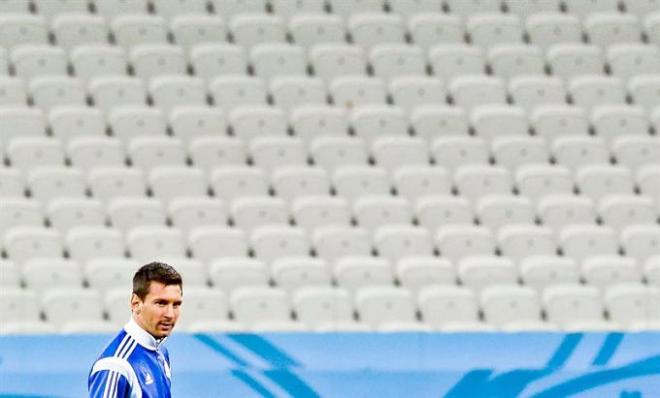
397 241
533 91
108 183
497 211
85 243
32 60
231 182
98 61
465 9
570 303
369 29
504 304
614 121
337 59
28 242
417 272
310 29
416 181
316 122
581 241
20 211
442 305
109 11
606 271
318 305
273 59
350 91
72 30
558 211
168 92
526 9
249 213
474 181
229 8
11 183
311 212
472 91
253 121
589 91
21 122
27 153
607 28
428 29
190 29
597 181
288 9
546 29
231 273
10 276
630 303
646 177
333 153
139 29
211 60
56 181
269 152
552 121
128 122
151 60
151 242
395 60
489 29
257 304
452 60
191 122
105 274
352 182
111 92
291 182
542 271
130 212
172 8
443 210
377 305
66 305
453 152
375 121
209 152
584 8
478 272
576 151
334 242
251 29
18 304
52 91
18 29
537 181
515 152
573 60
77 122
372 212
66 213
191 212
290 92
628 60
459 241
495 121
641 241
410 92
170 182
645 90
12 92
293 273
212 242
620 211
233 91
652 27
396 152
150 152
272 242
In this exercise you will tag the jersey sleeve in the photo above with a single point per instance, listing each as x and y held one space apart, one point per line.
108 383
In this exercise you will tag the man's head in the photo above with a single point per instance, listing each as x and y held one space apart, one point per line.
156 299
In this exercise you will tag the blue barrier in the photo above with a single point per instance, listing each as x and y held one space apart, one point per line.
474 365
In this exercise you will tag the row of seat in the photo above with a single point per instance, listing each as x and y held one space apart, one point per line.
413 271
277 239
365 29
568 306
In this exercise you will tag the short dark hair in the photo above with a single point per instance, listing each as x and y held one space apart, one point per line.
154 272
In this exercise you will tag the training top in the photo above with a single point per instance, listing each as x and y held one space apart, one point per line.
134 364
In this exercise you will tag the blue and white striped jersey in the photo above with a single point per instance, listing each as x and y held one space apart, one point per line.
134 365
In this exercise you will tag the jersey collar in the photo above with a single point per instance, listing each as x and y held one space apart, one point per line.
144 338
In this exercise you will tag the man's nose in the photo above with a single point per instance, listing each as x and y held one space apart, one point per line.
169 311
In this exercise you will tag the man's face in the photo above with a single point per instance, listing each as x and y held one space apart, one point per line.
159 311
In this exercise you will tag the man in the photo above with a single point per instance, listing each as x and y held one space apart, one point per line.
135 363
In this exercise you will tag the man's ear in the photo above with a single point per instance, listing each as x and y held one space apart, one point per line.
136 303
